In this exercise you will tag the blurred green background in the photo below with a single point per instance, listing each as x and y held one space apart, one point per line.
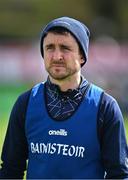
21 64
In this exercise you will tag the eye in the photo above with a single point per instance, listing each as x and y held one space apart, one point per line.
65 48
49 47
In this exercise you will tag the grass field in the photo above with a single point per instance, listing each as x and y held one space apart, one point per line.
8 95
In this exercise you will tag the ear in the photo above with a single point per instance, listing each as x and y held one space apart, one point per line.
81 59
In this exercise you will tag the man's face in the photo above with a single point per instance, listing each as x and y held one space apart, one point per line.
62 57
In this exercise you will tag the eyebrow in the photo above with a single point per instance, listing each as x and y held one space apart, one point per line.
61 45
49 45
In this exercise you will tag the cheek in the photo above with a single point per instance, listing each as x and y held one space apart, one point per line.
76 63
47 59
46 56
75 59
46 63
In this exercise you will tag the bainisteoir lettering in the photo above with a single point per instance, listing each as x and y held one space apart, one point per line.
54 148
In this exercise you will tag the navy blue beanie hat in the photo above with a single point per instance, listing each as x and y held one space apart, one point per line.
77 28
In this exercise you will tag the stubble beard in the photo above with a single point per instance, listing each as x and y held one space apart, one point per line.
61 75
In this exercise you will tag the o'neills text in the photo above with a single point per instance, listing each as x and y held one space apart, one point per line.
63 149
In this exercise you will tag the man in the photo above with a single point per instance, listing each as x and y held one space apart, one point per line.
65 127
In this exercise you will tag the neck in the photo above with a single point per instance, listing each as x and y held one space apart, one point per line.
72 82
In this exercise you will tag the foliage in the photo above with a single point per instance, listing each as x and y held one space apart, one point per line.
24 18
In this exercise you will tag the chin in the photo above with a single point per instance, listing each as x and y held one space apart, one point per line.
58 76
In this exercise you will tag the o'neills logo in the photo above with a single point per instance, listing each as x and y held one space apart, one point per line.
60 132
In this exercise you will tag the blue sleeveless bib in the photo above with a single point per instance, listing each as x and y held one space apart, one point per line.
63 149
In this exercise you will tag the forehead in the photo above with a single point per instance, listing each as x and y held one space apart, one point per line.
54 38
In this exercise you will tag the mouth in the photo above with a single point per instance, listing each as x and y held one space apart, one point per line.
58 65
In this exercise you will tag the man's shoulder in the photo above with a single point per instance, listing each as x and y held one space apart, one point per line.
108 99
24 96
108 103
109 109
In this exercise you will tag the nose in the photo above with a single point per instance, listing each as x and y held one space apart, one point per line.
57 55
